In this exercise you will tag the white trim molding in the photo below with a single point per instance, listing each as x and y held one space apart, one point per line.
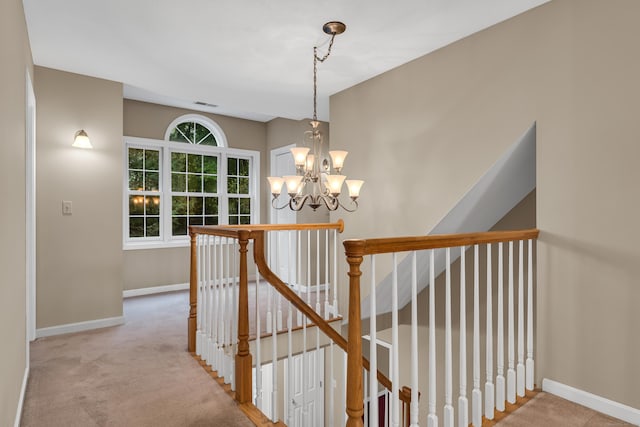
597 403
23 391
154 290
79 327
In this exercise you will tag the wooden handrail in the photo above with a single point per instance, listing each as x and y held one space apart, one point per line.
231 230
361 247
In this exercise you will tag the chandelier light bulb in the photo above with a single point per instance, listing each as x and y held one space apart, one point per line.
354 186
337 157
276 184
293 184
334 184
300 155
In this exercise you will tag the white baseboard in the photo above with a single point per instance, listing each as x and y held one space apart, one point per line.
23 390
154 290
79 327
597 403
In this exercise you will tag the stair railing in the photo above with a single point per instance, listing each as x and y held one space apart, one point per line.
226 326
429 256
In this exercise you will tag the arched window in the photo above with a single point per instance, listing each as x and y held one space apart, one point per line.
196 129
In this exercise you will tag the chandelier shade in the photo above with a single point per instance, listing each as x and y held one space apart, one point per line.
318 180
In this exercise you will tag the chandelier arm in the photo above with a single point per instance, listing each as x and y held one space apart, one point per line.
355 202
296 205
275 206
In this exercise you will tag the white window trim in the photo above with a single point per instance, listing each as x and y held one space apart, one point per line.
215 129
166 240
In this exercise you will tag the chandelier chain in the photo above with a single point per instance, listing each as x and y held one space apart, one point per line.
317 58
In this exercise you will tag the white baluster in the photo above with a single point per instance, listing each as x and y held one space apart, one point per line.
278 321
299 273
332 380
258 352
326 275
395 373
448 370
199 293
308 270
489 390
335 273
373 347
274 370
500 380
476 394
414 342
290 366
269 316
318 272
463 401
511 373
219 310
211 257
432 418
234 310
223 307
520 372
530 364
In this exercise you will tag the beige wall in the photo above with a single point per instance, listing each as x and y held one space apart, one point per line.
79 267
435 125
16 60
167 266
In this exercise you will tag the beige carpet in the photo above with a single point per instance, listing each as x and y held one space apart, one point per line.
547 410
138 374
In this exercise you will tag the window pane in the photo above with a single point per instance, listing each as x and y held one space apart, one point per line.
179 226
245 206
179 205
151 181
152 205
210 220
136 158
210 184
210 164
195 206
243 185
243 169
178 162
194 162
187 130
195 220
201 132
209 140
136 180
233 220
232 185
245 219
136 205
211 205
151 158
136 226
194 183
153 226
179 182
233 206
232 166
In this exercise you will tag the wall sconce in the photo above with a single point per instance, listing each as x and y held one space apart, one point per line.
81 140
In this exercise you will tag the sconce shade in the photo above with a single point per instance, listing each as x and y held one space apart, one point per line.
81 140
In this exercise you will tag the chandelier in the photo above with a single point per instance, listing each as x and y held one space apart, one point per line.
314 184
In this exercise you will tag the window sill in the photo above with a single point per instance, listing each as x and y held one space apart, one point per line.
132 246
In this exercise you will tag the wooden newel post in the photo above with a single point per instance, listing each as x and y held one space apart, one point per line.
355 405
243 358
193 296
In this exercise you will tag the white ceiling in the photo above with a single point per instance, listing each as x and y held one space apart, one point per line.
251 58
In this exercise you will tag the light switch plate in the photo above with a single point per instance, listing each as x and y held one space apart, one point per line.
67 207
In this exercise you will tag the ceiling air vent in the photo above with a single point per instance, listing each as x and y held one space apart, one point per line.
206 104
